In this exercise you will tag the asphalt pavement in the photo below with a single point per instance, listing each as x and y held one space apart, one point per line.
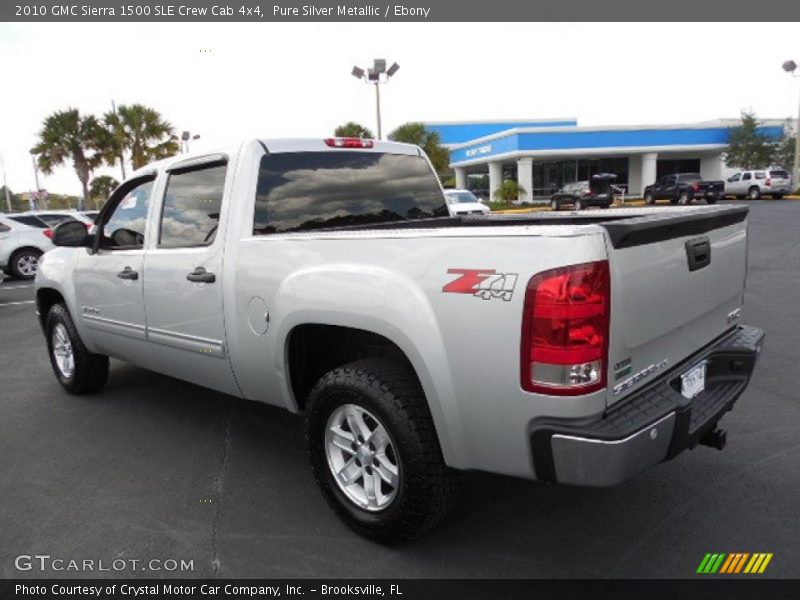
154 468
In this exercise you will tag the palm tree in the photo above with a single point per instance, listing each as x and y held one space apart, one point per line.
353 129
429 141
67 135
100 189
142 131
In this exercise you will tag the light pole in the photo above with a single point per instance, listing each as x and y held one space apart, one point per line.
791 67
373 75
185 137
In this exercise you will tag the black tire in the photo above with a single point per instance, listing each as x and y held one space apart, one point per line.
578 204
20 261
649 198
391 393
754 193
777 196
711 199
684 198
90 371
740 197
604 205
554 204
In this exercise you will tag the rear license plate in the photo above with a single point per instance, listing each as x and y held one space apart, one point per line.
693 381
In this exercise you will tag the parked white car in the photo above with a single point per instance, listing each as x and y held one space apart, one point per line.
21 246
55 217
464 202
762 182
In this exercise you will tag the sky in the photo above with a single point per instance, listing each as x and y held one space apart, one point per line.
229 82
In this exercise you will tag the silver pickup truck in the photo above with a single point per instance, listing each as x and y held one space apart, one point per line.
326 277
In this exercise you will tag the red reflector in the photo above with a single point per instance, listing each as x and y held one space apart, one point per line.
48 233
349 143
564 350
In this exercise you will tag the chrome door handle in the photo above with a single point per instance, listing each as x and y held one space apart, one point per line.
200 275
128 273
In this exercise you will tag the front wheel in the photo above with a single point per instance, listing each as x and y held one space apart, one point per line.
711 200
77 370
24 263
578 205
374 452
754 193
554 204
649 199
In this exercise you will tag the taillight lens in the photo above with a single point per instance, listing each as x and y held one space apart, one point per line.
695 186
48 233
349 143
564 350
768 182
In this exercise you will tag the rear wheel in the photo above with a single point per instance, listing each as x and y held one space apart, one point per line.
578 204
24 263
754 193
777 196
711 200
554 205
374 452
684 198
77 370
649 198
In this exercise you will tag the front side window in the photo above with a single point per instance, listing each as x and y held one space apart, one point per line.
735 177
124 229
746 177
192 203
301 191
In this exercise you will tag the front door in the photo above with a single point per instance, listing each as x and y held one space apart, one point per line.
184 278
108 281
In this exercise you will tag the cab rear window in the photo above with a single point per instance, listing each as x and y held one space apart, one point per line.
302 191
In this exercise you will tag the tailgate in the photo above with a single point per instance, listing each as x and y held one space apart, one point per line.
677 283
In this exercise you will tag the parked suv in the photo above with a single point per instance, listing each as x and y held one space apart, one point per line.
763 182
21 246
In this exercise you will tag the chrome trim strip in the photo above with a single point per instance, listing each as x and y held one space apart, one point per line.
114 326
183 341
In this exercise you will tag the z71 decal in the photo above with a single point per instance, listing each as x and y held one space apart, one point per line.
483 283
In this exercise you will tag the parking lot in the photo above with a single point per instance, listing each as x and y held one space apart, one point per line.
153 468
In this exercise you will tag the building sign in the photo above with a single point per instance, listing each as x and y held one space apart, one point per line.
472 152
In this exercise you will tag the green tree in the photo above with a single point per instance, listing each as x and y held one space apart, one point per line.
509 190
747 148
140 131
68 135
429 141
353 129
100 189
784 153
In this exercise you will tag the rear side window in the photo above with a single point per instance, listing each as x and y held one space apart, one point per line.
779 174
29 220
301 191
746 177
761 175
192 203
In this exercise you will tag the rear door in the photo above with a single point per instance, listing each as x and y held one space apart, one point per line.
677 284
184 278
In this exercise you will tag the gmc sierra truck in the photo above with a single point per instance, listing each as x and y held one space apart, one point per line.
326 277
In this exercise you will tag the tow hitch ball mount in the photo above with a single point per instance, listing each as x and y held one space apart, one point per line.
716 438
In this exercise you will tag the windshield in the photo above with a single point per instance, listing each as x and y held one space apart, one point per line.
460 198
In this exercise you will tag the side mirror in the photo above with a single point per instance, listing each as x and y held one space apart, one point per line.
72 234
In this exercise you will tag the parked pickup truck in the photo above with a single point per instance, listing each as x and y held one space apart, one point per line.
326 277
684 188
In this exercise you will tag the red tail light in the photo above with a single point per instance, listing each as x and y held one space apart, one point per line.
349 143
768 182
48 233
564 350
695 187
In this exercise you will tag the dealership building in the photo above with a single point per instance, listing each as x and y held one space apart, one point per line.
544 154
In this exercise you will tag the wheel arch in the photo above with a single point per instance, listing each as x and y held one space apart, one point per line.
46 298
